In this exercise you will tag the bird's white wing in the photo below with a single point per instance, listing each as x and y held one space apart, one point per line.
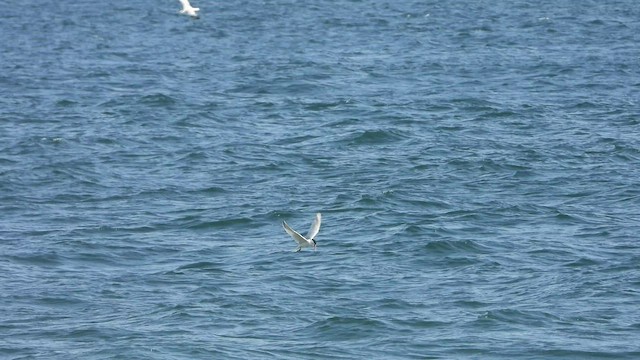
315 227
294 234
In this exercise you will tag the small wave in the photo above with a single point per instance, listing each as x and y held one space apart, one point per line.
204 266
221 223
320 106
56 301
453 246
599 232
419 323
582 262
41 259
375 137
157 100
583 106
211 190
475 104
498 114
515 316
65 103
345 328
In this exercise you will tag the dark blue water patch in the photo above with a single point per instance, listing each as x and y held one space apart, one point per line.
595 232
212 190
345 328
37 259
374 137
582 263
202 266
444 247
64 103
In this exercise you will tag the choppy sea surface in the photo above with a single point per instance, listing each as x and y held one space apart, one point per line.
477 165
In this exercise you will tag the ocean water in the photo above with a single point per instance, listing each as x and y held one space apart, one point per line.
477 165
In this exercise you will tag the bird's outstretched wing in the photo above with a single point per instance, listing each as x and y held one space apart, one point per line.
294 234
188 9
315 227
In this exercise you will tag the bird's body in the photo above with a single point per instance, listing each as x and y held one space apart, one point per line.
309 240
188 9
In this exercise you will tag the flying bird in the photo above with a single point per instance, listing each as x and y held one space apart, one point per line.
188 9
309 240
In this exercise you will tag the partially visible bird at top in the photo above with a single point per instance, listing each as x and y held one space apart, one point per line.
302 241
188 9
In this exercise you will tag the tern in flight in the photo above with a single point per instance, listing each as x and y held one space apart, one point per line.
188 9
302 241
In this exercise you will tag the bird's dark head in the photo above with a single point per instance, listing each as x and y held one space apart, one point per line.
314 244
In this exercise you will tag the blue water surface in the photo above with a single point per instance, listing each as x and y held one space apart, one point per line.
476 164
